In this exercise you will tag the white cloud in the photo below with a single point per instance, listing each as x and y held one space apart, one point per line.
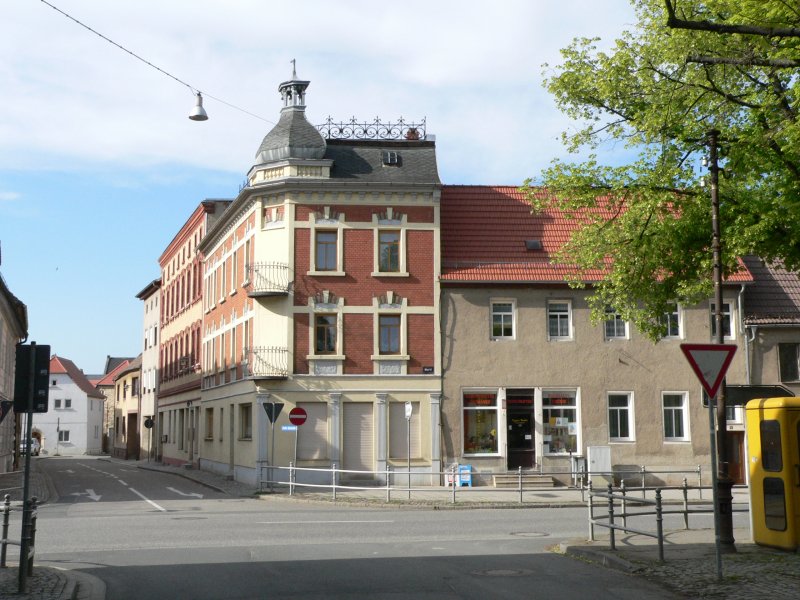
9 196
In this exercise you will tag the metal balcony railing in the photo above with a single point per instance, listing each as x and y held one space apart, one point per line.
272 362
268 279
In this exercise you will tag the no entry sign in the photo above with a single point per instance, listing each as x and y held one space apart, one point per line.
297 416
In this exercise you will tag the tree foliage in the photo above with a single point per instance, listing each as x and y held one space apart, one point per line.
724 64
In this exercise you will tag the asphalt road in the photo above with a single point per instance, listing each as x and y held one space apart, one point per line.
155 535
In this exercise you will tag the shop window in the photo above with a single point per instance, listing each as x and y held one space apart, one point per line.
675 417
502 320
559 320
789 359
480 423
560 422
401 431
620 417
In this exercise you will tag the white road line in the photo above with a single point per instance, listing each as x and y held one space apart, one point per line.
146 499
315 522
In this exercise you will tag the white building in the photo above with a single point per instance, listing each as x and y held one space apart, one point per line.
150 297
73 423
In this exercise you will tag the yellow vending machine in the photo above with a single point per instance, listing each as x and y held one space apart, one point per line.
773 431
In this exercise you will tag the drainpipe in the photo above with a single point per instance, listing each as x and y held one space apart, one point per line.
743 331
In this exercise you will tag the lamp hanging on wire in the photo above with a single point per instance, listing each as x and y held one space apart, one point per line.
198 112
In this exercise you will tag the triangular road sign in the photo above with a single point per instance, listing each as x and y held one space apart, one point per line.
710 363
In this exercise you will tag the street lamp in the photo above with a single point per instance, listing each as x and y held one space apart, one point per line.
724 483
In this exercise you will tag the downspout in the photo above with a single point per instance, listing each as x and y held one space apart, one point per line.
743 331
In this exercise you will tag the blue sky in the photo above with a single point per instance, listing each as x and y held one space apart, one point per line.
100 166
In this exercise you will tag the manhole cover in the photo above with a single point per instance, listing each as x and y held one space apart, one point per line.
530 534
502 573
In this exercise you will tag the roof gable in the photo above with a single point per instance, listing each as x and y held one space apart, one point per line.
64 366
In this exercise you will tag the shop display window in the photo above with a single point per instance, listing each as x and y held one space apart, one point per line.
480 423
560 422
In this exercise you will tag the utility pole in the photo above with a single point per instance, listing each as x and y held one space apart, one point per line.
724 482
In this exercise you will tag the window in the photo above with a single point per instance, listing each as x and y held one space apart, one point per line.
502 320
671 322
57 403
234 271
560 421
615 326
63 435
559 325
221 422
480 423
325 334
675 417
325 250
389 334
771 452
312 437
389 251
209 423
67 402
789 359
402 431
620 417
726 320
245 421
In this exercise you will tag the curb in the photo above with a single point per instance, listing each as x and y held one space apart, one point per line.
600 556
185 476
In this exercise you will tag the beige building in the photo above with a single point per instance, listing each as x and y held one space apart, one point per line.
181 316
127 410
13 330
531 383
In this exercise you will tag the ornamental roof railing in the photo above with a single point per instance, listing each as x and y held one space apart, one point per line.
375 130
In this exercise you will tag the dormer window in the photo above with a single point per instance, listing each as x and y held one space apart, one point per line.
390 158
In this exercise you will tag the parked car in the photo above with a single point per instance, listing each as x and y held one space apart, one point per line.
35 447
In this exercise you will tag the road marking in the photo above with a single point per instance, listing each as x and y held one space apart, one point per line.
146 499
89 493
122 482
190 494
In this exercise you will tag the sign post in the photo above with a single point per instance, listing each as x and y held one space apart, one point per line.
297 416
409 410
273 409
710 362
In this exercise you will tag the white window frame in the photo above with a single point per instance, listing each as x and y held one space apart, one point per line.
335 225
678 312
513 315
246 410
402 269
684 408
629 416
487 408
730 334
613 319
569 335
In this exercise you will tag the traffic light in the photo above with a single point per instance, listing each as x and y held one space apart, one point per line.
39 356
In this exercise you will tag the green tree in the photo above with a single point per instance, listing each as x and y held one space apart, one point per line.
687 66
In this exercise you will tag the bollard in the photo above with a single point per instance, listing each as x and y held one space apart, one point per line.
700 481
624 504
388 486
685 504
519 482
291 478
333 482
611 516
591 512
659 525
6 516
642 468
455 483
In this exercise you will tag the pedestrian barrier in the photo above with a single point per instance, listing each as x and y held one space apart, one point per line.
5 541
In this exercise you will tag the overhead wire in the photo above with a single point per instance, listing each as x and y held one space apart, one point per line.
192 88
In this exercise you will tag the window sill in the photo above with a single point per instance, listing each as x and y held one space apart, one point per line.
325 357
621 441
244 439
504 338
481 454
560 339
390 357
326 273
390 274
676 441
233 292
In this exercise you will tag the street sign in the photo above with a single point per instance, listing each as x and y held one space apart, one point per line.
710 363
273 409
409 410
297 416
288 427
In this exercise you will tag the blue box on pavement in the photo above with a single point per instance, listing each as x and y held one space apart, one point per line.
465 475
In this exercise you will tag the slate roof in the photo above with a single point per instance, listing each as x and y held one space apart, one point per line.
292 137
59 365
363 160
108 378
484 230
774 298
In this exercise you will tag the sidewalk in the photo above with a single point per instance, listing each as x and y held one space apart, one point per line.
689 567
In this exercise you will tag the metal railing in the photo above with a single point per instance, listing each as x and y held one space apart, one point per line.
628 505
268 278
393 481
5 541
268 361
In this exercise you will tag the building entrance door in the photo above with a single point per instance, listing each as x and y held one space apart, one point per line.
521 451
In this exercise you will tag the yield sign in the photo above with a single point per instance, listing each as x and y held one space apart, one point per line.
710 363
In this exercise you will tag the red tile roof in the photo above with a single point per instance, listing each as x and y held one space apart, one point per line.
484 230
108 378
61 366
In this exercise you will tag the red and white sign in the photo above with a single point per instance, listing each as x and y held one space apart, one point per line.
297 416
710 363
